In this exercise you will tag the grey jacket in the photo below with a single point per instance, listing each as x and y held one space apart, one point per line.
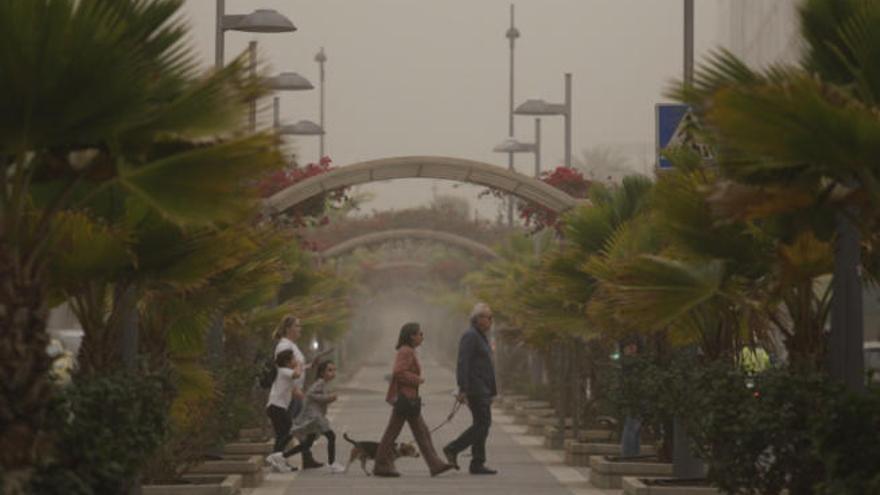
313 417
475 372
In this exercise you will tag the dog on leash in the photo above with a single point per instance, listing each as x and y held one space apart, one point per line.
364 451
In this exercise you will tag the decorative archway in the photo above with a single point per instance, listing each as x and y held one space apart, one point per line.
389 235
429 167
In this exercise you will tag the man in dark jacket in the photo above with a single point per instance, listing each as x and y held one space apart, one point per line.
476 387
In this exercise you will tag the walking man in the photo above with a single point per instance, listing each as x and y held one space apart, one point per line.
476 388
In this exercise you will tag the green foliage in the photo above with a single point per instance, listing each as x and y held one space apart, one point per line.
106 428
848 442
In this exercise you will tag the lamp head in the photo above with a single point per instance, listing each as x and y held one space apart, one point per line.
264 21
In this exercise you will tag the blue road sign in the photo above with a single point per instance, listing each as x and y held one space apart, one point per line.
669 117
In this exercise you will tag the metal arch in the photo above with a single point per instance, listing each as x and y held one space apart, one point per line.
430 167
389 235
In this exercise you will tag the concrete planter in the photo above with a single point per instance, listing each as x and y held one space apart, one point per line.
508 401
521 415
637 486
249 448
250 468
597 436
579 453
200 485
253 434
536 424
609 474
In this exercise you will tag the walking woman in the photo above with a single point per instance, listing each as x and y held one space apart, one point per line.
403 395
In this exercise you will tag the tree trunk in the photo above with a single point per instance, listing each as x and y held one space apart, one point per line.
24 371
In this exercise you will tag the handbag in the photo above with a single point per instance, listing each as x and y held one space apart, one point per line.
408 407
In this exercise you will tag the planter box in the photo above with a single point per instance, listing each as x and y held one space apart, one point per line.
637 486
202 485
508 401
552 440
250 468
537 423
597 436
521 416
579 453
248 448
253 434
609 474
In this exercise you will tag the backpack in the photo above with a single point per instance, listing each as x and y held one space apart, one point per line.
267 375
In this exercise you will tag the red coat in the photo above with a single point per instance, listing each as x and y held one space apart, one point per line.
406 375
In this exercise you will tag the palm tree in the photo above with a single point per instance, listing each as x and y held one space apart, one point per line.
102 110
801 142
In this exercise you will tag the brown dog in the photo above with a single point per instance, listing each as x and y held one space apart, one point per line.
364 451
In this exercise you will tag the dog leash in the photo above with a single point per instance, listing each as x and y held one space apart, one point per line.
455 407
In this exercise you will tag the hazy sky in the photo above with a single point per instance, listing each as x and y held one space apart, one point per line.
430 77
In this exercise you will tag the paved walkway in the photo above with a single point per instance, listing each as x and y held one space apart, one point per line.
524 466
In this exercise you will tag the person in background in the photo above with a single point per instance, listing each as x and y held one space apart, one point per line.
475 375
403 395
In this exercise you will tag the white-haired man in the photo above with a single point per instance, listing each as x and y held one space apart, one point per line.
476 387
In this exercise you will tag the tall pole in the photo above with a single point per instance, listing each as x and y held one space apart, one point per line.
252 55
688 41
537 148
684 463
321 58
218 34
846 341
276 112
568 120
512 34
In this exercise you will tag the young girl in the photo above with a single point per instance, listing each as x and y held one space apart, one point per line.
312 421
276 408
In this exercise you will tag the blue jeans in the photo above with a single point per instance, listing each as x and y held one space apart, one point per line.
630 438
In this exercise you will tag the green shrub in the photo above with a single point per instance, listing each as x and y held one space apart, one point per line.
106 427
848 442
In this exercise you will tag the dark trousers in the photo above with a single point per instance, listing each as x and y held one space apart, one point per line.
475 436
281 424
306 446
384 462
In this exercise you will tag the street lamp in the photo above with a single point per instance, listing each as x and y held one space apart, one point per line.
512 34
301 128
258 21
511 145
541 107
321 58
289 81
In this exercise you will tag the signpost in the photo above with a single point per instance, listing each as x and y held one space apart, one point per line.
670 119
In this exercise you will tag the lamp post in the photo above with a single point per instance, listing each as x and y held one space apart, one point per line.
511 146
541 107
321 58
301 128
512 34
258 21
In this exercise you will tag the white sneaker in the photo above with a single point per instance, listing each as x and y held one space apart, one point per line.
278 463
336 468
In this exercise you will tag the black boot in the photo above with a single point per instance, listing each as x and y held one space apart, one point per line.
309 462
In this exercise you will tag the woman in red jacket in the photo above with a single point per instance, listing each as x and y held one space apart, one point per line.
403 395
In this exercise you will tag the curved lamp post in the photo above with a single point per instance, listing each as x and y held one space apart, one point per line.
541 107
258 21
511 145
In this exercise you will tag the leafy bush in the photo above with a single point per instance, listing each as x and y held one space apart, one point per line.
848 442
203 425
106 427
784 429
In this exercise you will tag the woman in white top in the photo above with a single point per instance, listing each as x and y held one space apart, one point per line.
276 407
